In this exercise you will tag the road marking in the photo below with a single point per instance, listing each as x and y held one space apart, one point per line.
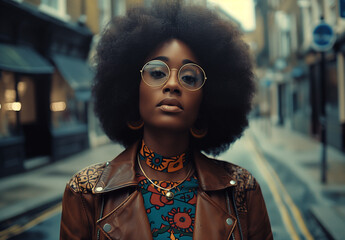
17 229
294 209
275 179
276 196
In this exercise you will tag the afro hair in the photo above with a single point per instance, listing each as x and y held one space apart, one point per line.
216 42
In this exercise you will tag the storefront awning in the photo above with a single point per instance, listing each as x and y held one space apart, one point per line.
22 59
83 95
75 71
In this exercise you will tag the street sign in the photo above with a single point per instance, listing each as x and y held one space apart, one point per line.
323 37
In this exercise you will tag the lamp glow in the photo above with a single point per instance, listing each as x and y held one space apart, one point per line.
58 106
10 95
13 106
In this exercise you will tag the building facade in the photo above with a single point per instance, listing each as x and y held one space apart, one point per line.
44 80
290 69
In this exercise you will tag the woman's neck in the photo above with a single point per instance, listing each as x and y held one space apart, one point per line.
166 143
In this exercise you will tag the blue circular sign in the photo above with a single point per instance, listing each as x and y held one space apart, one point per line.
323 37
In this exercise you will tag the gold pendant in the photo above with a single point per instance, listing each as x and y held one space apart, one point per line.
169 195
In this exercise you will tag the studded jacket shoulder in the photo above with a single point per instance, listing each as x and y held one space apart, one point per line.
85 180
245 182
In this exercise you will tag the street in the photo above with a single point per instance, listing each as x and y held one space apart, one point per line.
71 72
46 226
288 211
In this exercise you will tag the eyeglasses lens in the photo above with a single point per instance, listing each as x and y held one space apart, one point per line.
155 73
191 76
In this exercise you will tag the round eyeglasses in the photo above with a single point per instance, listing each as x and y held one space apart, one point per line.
156 73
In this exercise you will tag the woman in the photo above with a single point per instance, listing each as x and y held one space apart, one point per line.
171 81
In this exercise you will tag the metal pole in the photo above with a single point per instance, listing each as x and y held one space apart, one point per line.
323 118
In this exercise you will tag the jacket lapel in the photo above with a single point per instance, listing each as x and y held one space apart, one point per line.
212 221
127 221
119 173
212 175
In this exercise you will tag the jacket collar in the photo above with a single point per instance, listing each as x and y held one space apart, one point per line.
120 172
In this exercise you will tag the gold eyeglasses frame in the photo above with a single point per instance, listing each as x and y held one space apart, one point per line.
178 74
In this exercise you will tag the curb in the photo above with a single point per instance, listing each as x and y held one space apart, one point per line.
308 198
27 216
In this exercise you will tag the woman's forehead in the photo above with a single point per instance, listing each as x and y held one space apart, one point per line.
173 52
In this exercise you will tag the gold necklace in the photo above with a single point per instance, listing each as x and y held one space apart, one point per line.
169 195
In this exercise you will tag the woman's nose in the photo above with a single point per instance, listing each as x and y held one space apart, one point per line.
172 85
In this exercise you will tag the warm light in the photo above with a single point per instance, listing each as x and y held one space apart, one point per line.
10 95
58 106
22 87
14 106
0 106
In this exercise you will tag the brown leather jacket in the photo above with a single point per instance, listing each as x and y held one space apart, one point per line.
103 202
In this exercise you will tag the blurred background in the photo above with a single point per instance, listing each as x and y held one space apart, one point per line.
295 145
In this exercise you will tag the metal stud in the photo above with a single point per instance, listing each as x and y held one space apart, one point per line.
232 182
169 195
107 227
98 189
229 221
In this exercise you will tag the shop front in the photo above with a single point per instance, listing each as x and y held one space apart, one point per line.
69 100
44 88
24 112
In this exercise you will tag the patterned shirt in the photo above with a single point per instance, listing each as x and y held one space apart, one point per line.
169 219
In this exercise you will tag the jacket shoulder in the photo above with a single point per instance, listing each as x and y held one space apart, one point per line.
85 180
245 180
245 183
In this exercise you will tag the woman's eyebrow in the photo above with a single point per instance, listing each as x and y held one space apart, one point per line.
162 58
166 59
185 61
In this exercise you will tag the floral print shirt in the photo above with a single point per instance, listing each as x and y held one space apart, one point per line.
169 219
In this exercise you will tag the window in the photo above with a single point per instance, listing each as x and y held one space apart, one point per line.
331 12
27 97
17 103
56 8
66 109
51 3
105 7
8 106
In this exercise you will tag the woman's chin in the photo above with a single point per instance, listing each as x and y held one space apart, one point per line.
170 126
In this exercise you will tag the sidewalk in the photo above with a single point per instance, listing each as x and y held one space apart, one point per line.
23 192
297 158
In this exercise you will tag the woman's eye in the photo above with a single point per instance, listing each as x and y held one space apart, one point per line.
189 79
157 74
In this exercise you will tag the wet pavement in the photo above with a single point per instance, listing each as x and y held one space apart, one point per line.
297 161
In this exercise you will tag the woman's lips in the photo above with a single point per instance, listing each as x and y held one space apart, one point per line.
169 108
171 105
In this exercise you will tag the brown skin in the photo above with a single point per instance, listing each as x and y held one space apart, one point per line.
166 126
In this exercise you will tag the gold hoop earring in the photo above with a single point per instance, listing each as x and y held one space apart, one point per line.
135 125
198 133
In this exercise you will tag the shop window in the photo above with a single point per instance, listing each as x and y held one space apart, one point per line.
16 110
66 109
9 106
56 8
26 91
